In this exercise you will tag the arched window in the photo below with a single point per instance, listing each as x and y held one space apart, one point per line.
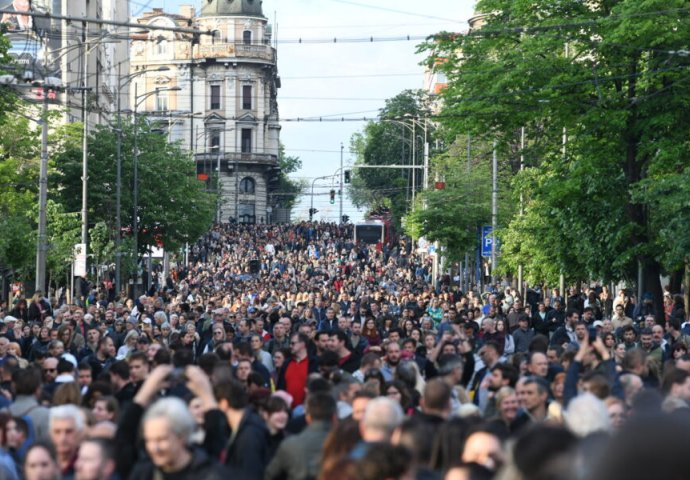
247 185
247 37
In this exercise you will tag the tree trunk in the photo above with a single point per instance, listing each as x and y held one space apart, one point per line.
676 280
652 283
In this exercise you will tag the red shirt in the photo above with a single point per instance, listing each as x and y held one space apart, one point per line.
296 375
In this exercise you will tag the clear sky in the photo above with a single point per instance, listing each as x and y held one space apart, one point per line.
342 79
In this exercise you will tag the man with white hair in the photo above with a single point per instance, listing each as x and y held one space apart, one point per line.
167 427
66 427
381 417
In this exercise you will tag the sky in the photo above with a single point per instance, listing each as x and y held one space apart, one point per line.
341 79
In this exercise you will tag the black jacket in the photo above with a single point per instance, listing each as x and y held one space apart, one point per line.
201 467
247 449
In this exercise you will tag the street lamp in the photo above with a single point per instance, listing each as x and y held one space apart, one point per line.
122 82
422 123
138 99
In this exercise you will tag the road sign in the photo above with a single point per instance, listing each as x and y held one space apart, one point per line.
80 260
487 239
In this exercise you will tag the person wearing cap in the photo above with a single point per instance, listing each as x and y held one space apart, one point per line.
523 335
9 321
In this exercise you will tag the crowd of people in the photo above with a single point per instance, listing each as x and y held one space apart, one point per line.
289 352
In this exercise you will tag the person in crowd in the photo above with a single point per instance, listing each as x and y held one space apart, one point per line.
299 457
353 332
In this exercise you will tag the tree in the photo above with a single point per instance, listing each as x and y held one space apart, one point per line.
8 97
389 142
289 189
454 214
611 76
173 206
19 164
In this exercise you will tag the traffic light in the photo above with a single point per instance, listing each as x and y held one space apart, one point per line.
348 176
312 212
332 197
345 219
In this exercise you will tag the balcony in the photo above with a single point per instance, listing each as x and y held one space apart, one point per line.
229 158
265 53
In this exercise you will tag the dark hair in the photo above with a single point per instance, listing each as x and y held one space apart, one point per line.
542 386
182 358
208 361
340 441
540 343
318 384
121 369
508 372
448 444
233 392
141 356
538 447
340 335
321 406
162 357
64 366
384 461
45 446
27 381
406 400
274 404
437 394
673 376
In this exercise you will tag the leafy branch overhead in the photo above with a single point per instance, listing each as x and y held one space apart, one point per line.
602 94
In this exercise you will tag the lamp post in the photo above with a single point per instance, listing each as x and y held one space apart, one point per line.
422 123
122 82
138 99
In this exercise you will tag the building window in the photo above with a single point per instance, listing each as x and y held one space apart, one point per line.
246 212
161 47
247 37
247 97
162 102
215 140
215 97
247 185
246 140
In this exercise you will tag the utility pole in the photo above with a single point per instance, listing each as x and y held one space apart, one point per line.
521 290
118 192
42 199
341 183
85 153
494 212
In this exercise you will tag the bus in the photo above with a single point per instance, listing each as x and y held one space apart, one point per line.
370 232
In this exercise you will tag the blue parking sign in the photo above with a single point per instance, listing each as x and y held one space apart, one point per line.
487 239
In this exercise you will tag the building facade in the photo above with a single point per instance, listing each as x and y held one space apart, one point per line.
86 57
217 95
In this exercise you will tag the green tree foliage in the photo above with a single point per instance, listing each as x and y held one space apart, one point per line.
288 188
64 231
454 215
388 142
8 95
19 164
173 205
613 75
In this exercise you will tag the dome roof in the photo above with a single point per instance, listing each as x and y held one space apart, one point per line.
251 8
